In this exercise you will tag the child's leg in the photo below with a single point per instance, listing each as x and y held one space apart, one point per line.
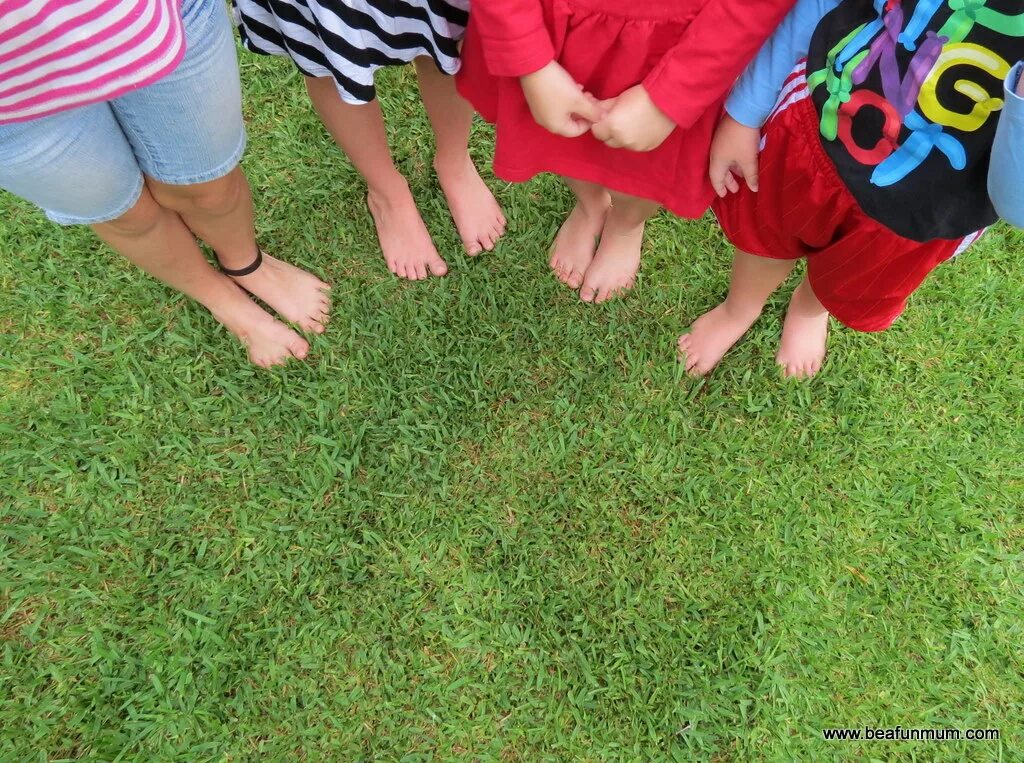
477 215
804 334
359 131
714 333
576 242
156 239
220 212
618 256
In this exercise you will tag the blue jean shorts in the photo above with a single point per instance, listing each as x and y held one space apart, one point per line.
86 165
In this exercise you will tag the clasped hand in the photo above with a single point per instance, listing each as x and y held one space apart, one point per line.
560 105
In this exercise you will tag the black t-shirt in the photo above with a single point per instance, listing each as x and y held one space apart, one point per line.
908 97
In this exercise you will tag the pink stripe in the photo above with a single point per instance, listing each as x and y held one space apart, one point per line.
100 98
38 18
83 88
92 91
134 42
63 28
13 5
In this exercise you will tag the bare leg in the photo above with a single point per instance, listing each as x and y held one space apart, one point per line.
714 333
477 214
220 212
359 132
576 241
617 259
804 334
156 239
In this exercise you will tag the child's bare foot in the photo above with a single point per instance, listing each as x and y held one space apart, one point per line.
576 243
711 336
476 212
615 264
297 296
804 335
268 341
404 240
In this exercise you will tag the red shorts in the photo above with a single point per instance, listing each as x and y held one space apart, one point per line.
861 270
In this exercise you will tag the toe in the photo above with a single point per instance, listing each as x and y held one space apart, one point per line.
299 347
588 293
683 342
438 267
473 248
421 271
574 280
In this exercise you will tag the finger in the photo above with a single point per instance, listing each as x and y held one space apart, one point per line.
731 184
574 128
612 139
601 130
717 175
749 168
605 107
587 107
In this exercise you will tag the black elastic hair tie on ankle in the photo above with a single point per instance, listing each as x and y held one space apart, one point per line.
251 268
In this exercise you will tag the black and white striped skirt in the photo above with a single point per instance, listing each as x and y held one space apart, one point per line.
350 39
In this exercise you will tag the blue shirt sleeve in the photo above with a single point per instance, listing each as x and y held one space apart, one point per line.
756 92
1006 173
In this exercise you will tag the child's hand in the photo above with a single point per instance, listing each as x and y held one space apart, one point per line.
558 103
734 151
633 122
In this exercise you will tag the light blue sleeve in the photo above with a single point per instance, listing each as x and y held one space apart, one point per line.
1006 174
756 91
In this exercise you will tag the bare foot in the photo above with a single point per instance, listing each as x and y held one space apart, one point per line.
804 335
408 250
576 244
297 296
269 342
615 265
711 336
476 212
802 349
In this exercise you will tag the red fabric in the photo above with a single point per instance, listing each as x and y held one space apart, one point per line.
687 53
861 270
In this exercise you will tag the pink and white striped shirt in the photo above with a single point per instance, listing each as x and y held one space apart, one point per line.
59 54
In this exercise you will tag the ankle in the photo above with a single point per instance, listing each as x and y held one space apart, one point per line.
389 191
742 310
616 226
446 162
226 301
805 303
239 257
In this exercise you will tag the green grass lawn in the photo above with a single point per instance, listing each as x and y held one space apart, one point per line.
486 521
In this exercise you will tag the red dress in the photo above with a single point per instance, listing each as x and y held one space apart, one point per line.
686 53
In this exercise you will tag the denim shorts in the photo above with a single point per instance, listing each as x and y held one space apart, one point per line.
86 165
